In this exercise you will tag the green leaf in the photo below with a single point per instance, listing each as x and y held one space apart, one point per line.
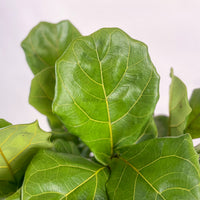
72 144
15 196
179 107
66 147
43 46
197 148
64 135
73 177
18 145
150 131
46 42
106 90
42 94
162 123
161 168
4 123
193 123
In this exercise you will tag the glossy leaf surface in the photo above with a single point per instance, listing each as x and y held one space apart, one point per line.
193 124
4 123
106 90
65 176
179 107
46 42
157 169
18 144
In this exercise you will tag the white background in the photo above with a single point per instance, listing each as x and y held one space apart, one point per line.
170 28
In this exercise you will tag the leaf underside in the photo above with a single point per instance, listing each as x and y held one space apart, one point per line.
157 169
64 177
106 90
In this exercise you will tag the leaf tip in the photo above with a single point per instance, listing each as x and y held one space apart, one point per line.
171 72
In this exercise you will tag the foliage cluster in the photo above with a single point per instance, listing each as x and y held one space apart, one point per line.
99 93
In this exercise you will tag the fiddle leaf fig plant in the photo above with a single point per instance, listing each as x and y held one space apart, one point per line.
99 94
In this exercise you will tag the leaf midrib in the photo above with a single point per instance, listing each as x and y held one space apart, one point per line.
107 107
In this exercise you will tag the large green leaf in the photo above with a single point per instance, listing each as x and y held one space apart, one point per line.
157 169
4 123
43 46
179 107
64 176
106 90
46 42
193 123
162 123
18 144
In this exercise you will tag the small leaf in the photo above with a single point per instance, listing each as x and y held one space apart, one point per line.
42 94
193 123
106 90
64 135
43 46
162 123
46 42
73 144
179 107
18 145
66 147
161 168
4 123
64 176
